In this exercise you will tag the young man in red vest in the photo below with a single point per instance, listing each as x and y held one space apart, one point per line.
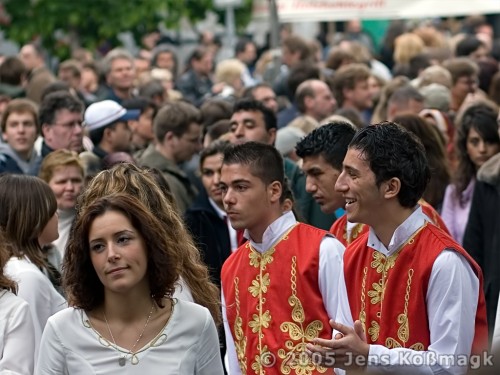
322 152
281 288
415 294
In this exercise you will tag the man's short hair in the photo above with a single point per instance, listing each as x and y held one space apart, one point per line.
305 90
264 161
394 152
467 46
330 141
72 66
256 106
403 96
12 71
301 72
461 67
249 91
346 78
241 45
295 43
175 117
55 102
115 54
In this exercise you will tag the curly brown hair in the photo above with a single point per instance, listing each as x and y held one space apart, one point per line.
5 282
140 183
80 278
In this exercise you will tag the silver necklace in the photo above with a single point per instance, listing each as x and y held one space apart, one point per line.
123 358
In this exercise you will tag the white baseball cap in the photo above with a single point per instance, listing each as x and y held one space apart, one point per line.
106 112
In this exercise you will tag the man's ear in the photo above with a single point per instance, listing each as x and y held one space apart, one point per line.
107 134
391 188
275 191
346 93
272 136
133 124
44 128
308 101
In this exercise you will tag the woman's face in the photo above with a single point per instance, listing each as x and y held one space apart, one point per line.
118 253
66 183
480 151
50 233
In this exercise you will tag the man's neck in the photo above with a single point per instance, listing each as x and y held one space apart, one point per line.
122 93
165 151
257 232
390 220
139 142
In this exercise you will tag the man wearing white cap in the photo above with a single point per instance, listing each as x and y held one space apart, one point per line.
108 129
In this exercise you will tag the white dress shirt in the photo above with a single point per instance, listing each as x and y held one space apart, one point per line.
330 275
17 339
452 297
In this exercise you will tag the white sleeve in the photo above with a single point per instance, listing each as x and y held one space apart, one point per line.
331 281
495 346
452 298
51 359
43 300
19 343
234 366
208 360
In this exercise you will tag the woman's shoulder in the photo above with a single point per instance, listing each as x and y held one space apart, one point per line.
68 315
10 303
192 310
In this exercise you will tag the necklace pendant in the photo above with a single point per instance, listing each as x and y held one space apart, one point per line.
122 361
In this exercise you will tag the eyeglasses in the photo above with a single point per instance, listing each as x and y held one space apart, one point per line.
71 125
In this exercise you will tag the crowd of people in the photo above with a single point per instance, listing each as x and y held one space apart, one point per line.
336 212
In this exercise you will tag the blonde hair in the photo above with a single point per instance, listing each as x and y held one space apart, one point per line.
228 71
59 158
132 180
406 46
305 123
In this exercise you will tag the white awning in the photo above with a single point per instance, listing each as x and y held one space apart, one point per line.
343 10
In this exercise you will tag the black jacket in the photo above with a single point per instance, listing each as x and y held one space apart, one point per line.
482 234
210 234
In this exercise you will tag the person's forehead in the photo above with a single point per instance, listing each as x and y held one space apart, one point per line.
20 114
242 115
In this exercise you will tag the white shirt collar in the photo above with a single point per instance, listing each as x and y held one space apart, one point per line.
401 234
273 232
222 214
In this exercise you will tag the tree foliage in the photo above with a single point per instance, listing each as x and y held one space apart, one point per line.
89 23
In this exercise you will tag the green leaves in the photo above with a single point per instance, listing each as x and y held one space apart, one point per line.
94 21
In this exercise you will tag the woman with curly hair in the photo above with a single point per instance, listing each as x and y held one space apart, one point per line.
194 283
121 265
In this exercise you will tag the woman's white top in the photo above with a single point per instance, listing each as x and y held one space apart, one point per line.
188 344
36 289
17 340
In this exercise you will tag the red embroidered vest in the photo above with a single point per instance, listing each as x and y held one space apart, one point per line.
339 227
388 294
273 303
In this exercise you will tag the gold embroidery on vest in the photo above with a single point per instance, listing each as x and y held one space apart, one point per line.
382 264
374 331
258 289
356 230
362 313
377 293
294 357
240 341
